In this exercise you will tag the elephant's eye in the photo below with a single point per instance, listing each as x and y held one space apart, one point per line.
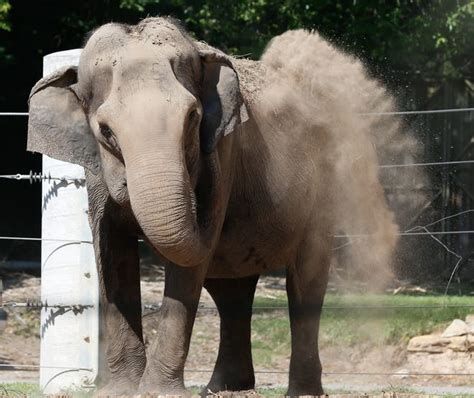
110 141
105 131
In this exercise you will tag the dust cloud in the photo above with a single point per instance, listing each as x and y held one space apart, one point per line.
347 110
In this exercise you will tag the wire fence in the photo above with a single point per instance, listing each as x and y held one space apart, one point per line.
261 371
155 307
38 177
152 308
399 113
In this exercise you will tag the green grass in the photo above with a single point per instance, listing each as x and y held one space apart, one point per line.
32 390
347 327
19 390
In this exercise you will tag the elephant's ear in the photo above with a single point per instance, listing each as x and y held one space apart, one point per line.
223 106
57 124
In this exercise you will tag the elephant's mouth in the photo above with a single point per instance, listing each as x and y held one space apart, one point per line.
119 192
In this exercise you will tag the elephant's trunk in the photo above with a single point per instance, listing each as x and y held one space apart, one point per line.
165 206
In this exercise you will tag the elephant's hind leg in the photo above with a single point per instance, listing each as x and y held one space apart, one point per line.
234 368
306 285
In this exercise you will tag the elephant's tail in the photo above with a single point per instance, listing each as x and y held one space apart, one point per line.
356 110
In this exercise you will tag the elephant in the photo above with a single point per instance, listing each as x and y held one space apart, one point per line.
227 168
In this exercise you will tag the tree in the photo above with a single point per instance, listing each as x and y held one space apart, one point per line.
4 8
4 23
432 38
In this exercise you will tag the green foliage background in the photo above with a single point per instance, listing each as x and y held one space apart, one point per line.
427 37
398 40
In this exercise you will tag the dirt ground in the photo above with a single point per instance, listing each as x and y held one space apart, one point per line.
20 344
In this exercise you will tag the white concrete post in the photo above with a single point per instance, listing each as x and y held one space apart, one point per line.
69 339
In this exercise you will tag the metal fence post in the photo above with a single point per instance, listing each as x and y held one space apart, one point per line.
69 338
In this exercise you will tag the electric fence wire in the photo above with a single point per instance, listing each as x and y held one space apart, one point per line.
397 113
258 371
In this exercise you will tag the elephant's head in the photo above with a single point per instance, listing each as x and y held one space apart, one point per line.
148 109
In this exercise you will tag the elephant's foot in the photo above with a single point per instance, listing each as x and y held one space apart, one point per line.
308 388
305 393
150 386
116 389
229 381
305 377
155 391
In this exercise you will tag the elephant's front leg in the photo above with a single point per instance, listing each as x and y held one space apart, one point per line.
120 301
167 355
116 252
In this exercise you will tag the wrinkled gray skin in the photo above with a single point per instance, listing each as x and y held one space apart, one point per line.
175 154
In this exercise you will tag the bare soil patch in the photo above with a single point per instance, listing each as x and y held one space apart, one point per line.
20 343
